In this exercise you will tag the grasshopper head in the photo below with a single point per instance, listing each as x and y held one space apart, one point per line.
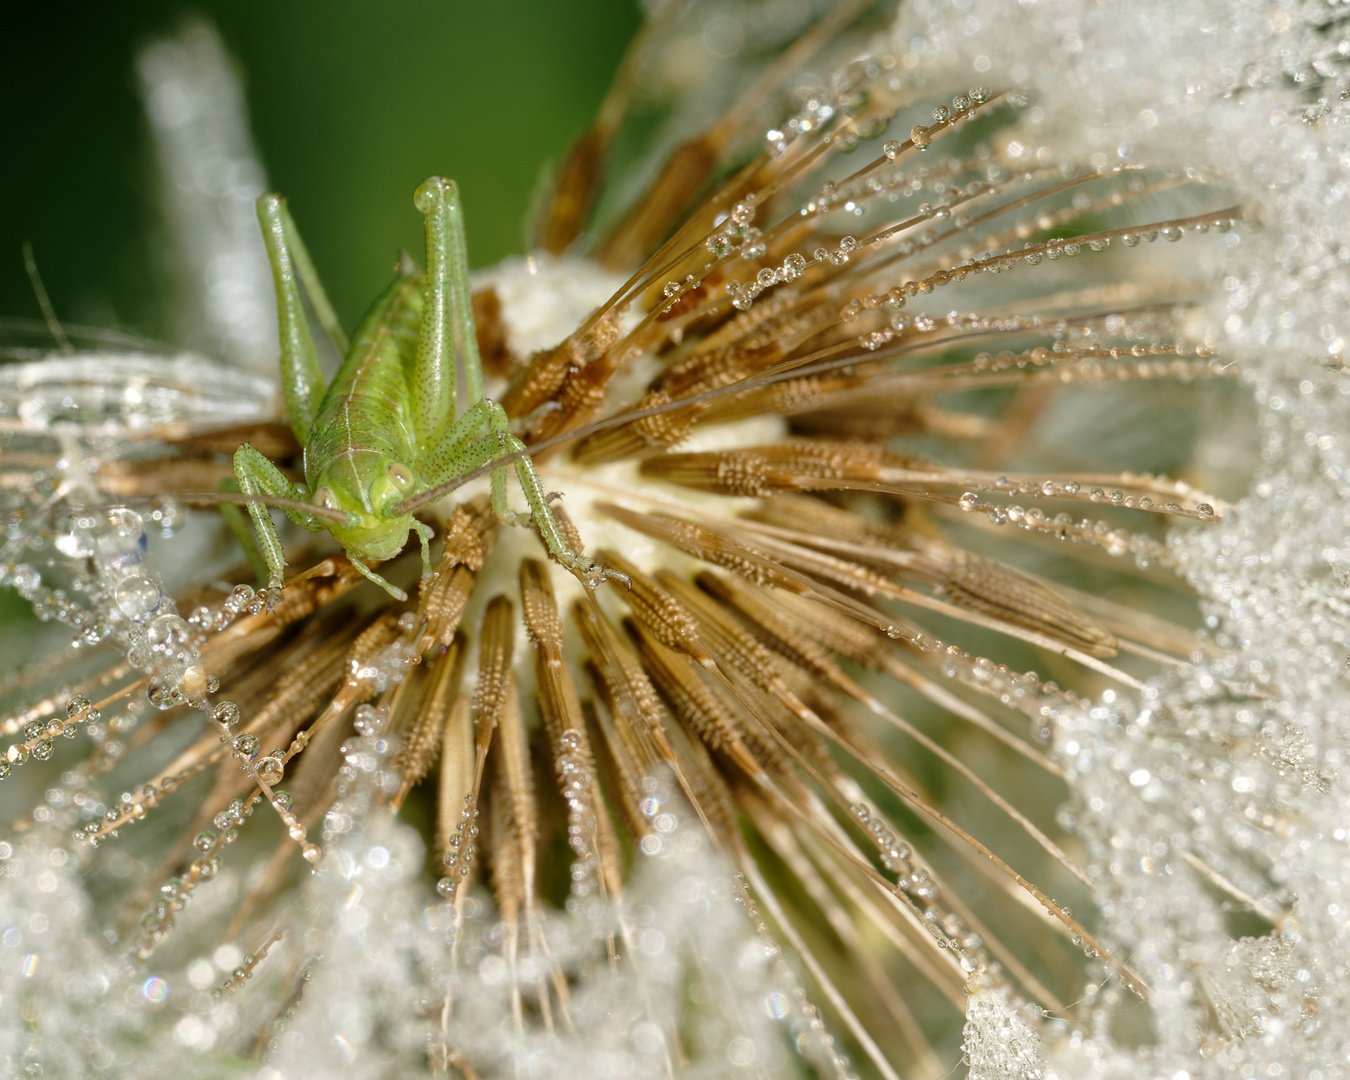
375 529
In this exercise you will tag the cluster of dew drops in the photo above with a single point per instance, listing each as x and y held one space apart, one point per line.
114 596
739 235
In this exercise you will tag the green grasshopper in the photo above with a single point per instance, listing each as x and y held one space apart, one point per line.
385 431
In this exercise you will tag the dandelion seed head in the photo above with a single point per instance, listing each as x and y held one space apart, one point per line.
688 823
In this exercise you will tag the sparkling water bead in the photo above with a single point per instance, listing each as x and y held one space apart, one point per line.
121 537
167 514
139 596
162 696
271 769
239 599
73 542
168 631
26 580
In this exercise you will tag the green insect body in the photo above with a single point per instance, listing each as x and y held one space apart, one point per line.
386 430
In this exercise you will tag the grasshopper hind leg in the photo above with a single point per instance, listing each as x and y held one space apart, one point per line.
448 344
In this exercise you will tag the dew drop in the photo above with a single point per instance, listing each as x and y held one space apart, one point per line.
122 538
139 596
74 544
167 631
26 580
271 770
167 514
161 696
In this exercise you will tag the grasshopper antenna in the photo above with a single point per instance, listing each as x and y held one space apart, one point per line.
211 498
44 301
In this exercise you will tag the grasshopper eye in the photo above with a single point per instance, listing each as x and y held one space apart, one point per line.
400 474
324 497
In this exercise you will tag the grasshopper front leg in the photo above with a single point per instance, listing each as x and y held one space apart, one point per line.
462 452
258 477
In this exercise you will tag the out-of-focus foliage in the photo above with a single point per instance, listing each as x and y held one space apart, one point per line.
352 105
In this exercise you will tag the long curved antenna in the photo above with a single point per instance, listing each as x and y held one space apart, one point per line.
211 498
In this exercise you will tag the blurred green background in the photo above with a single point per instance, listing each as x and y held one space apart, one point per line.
353 103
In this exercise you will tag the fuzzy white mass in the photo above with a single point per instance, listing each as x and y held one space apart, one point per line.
1238 763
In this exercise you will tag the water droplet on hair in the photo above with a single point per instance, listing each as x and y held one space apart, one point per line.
139 596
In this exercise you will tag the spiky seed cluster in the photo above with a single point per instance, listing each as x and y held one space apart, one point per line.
855 355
